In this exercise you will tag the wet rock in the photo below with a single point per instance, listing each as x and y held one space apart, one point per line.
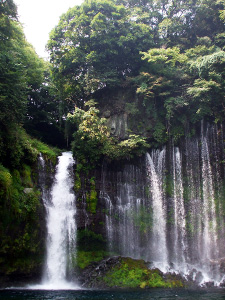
125 272
222 283
222 265
118 125
28 190
106 114
209 284
92 276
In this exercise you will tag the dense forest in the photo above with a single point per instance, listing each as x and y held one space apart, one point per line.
156 64
123 76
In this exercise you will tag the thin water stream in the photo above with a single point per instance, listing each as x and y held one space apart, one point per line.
155 167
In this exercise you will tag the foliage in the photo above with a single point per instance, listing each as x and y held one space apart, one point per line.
163 57
45 112
143 218
12 78
91 197
134 273
95 46
85 258
182 87
5 182
24 86
92 139
170 53
21 76
208 86
176 22
20 239
21 71
18 148
91 135
49 152
167 50
21 244
158 88
91 247
77 182
222 11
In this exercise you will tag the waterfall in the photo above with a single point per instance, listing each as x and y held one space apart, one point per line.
179 246
209 237
193 196
43 179
127 215
155 165
169 210
61 226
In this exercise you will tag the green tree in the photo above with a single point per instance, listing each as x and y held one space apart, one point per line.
92 139
12 76
207 90
96 46
159 87
21 76
177 22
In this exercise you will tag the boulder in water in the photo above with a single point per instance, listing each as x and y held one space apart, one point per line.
125 272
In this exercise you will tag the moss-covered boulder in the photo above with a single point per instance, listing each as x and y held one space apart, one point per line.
125 272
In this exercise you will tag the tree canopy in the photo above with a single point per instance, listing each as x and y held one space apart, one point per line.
160 63
96 45
22 80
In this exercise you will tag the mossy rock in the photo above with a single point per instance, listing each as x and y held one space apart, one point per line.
132 273
86 258
125 272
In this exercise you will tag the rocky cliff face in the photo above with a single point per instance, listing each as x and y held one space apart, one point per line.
166 207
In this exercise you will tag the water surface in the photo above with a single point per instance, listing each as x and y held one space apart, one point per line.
162 294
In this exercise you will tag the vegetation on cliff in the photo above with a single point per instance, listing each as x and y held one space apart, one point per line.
159 63
92 139
156 67
22 81
22 227
91 248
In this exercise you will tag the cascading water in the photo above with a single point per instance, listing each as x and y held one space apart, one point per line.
127 215
209 233
61 226
167 210
173 217
179 232
155 167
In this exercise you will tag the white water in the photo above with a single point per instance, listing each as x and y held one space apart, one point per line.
155 164
61 228
174 217
209 212
179 211
124 212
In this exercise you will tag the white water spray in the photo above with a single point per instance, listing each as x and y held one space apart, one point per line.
209 211
61 228
158 247
173 217
179 211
